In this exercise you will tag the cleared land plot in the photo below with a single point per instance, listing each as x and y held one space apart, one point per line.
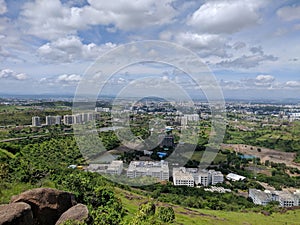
265 154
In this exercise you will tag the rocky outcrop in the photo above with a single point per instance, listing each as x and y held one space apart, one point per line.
78 212
47 204
16 214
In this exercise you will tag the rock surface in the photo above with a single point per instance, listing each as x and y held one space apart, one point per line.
47 204
78 212
16 214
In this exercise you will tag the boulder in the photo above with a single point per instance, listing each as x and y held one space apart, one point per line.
16 214
78 213
47 204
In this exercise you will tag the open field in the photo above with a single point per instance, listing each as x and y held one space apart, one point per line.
265 154
186 216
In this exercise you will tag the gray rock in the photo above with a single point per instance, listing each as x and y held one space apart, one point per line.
16 214
47 204
78 212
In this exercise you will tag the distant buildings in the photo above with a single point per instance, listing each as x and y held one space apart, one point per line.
285 198
36 121
113 168
159 170
189 176
79 118
187 118
53 120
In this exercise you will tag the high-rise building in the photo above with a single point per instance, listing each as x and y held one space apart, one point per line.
53 120
36 121
68 119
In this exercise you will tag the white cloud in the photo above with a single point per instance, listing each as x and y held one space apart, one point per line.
10 74
247 61
69 78
263 80
225 16
52 19
70 49
204 44
3 8
293 84
61 80
289 13
129 15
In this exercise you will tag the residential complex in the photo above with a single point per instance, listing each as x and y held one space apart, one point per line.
53 120
113 168
157 169
285 198
189 176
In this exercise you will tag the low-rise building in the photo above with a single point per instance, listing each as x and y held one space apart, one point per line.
113 168
285 198
159 170
260 197
235 177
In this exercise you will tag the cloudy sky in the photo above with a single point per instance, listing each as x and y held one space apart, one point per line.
251 46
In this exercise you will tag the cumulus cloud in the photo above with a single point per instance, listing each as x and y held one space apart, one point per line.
69 49
10 74
207 44
52 19
289 13
225 16
293 84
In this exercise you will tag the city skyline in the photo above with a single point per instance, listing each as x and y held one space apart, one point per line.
251 47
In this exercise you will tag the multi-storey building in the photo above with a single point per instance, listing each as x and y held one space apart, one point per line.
182 178
53 120
155 169
36 121
68 119
200 177
285 198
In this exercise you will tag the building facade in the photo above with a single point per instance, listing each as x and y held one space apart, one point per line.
159 170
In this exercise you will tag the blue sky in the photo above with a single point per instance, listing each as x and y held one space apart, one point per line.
251 46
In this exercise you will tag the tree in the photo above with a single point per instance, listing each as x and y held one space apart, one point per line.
166 214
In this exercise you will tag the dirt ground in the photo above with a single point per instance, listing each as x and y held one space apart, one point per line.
265 154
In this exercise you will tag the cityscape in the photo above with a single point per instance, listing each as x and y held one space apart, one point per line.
145 112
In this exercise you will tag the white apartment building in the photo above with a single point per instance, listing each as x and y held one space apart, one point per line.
36 121
202 177
155 169
182 178
216 177
53 120
113 168
285 198
68 119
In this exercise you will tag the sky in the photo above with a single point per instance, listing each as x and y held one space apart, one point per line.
252 47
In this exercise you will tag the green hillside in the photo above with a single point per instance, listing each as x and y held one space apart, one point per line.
183 215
